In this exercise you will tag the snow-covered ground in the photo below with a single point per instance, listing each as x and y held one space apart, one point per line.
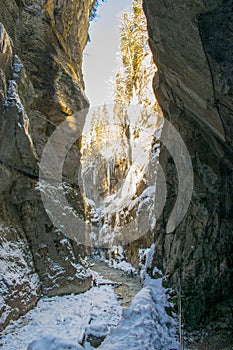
66 317
62 323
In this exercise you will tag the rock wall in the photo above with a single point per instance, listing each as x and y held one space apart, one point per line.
192 46
41 44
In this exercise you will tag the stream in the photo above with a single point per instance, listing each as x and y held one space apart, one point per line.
129 284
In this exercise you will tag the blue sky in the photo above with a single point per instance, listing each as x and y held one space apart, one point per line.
100 54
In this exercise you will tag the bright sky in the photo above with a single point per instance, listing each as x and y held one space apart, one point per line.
100 54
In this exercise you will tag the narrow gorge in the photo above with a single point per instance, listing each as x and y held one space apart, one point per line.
121 177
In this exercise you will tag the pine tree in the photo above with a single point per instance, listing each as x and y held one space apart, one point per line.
134 75
133 80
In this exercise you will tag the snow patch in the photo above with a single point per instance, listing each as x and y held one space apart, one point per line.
52 343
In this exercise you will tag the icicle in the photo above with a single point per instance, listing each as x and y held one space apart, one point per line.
109 175
94 176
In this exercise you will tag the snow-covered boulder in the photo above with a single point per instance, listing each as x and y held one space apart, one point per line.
53 343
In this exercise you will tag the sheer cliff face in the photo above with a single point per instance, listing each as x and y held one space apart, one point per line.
192 46
41 44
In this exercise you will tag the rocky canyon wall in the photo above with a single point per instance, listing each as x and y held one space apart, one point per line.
41 84
192 44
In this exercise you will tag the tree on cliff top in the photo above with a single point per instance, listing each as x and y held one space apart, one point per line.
136 69
93 14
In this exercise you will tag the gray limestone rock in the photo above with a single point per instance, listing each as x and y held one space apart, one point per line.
192 44
40 85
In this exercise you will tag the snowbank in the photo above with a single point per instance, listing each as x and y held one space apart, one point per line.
145 324
51 343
